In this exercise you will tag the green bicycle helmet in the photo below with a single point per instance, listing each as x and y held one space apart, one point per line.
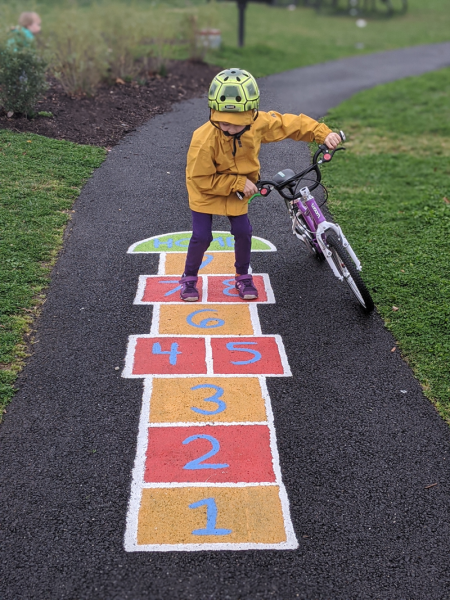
233 90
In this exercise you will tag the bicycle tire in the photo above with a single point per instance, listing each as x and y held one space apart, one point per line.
348 270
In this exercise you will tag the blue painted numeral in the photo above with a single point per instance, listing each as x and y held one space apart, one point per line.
230 284
173 352
221 406
205 323
206 260
197 462
172 291
256 354
211 518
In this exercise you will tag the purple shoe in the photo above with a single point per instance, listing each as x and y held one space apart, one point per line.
246 287
189 292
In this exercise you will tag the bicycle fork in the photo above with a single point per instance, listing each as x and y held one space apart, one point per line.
316 221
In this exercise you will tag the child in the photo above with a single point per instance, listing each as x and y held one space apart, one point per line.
223 160
29 26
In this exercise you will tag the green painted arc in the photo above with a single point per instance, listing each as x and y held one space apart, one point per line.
178 242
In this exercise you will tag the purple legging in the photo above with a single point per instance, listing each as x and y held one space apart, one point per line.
202 237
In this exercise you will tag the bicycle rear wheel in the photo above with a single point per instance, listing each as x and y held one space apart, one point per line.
348 270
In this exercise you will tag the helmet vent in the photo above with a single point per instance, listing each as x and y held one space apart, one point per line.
233 72
225 78
238 79
222 98
238 98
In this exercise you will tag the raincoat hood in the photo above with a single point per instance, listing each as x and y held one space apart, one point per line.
234 118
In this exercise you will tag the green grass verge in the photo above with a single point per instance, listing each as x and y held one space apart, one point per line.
278 39
39 180
391 193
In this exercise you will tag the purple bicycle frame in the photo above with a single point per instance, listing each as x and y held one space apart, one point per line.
312 214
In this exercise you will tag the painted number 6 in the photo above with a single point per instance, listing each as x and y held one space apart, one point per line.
205 323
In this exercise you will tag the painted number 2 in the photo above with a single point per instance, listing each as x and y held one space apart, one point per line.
197 463
221 406
211 518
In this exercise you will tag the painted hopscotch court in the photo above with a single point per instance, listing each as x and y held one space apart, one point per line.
207 473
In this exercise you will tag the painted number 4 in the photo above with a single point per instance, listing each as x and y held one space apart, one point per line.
172 353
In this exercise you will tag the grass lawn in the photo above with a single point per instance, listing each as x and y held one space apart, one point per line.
391 193
278 39
39 180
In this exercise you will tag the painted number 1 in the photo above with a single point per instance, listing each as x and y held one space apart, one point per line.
211 518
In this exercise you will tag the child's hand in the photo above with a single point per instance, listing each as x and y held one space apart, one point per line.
333 140
250 188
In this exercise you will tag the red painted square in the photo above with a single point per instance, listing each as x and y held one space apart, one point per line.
188 354
244 448
222 289
260 354
164 289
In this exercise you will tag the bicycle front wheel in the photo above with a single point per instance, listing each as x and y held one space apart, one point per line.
348 270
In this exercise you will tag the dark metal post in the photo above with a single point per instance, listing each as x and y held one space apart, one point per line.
242 5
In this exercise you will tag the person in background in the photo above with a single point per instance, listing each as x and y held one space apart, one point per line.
24 34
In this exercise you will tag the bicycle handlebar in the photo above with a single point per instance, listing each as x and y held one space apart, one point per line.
265 187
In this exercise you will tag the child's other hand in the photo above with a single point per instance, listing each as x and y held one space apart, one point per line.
250 188
333 140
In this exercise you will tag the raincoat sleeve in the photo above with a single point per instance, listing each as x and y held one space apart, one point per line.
278 127
201 171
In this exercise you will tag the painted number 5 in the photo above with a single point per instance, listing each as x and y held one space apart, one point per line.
234 347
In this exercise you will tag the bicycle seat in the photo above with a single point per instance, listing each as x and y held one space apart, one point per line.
283 175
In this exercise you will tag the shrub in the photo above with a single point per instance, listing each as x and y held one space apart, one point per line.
22 78
78 55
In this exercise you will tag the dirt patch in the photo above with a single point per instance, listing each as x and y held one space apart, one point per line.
104 119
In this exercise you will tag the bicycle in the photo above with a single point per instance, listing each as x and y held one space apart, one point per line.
324 239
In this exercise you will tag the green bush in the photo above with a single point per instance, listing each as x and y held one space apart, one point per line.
22 79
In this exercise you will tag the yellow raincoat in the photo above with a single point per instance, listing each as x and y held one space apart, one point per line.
214 175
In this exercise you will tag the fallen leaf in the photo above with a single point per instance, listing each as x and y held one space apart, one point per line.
121 81
9 114
429 486
395 308
446 200
394 349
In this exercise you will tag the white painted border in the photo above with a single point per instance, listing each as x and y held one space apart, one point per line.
137 485
205 286
130 250
127 371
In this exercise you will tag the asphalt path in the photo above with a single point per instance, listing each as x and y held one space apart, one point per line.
357 455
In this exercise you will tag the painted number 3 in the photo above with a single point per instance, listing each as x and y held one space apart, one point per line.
221 406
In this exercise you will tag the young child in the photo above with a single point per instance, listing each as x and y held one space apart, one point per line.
29 26
223 160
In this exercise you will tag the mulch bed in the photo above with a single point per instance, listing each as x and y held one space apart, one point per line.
114 111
